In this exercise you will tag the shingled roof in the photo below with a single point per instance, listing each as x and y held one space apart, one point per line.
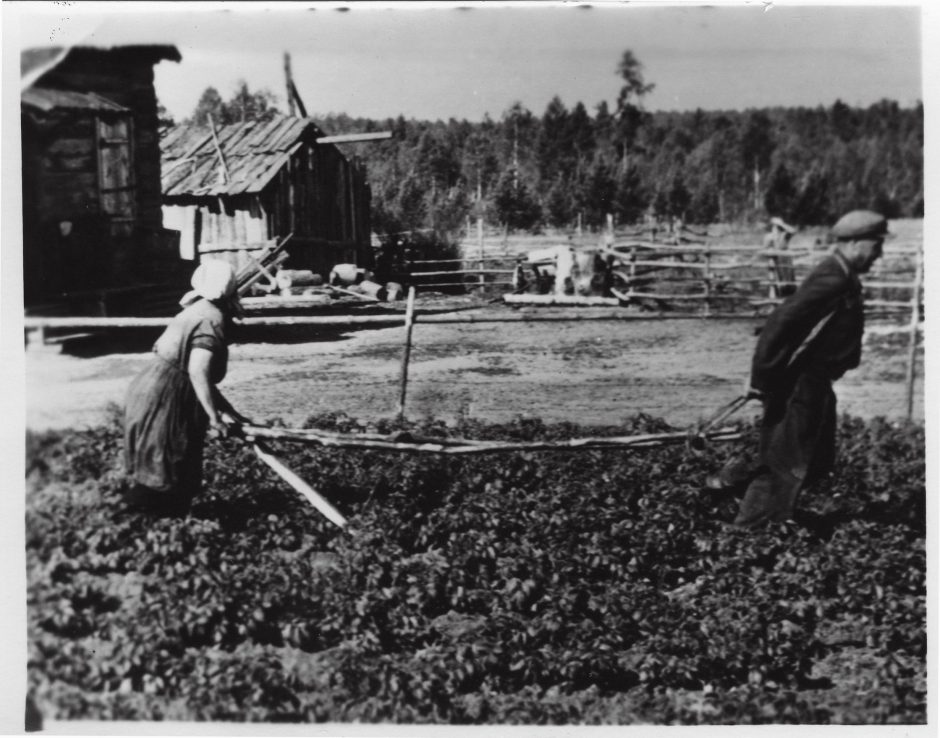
254 152
46 100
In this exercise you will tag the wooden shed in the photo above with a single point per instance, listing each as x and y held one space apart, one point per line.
233 189
92 217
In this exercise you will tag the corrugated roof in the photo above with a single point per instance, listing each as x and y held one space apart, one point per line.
46 100
254 152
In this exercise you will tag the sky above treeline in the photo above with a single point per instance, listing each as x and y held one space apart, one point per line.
437 61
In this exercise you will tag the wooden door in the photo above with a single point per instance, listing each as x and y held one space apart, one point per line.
116 183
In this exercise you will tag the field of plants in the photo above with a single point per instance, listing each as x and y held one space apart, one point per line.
598 587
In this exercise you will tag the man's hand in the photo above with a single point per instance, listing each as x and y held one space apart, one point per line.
753 393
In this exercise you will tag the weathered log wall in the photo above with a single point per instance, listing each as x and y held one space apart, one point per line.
126 78
92 211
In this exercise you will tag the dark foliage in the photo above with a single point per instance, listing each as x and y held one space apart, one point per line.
598 587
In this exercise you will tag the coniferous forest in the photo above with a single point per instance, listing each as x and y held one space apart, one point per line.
807 165
564 167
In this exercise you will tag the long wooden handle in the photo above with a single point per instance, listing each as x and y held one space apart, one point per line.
339 440
313 497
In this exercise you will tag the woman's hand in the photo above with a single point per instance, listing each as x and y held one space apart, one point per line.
218 428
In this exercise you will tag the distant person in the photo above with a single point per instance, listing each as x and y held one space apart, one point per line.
809 341
173 402
782 273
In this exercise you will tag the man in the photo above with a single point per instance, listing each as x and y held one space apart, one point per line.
810 340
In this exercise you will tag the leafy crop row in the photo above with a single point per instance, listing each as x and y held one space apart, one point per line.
596 587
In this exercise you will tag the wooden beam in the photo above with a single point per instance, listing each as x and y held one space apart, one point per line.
354 137
218 148
912 338
589 301
457 272
291 477
289 83
406 356
293 96
396 319
393 443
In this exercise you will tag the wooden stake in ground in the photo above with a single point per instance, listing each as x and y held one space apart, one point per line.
912 337
406 356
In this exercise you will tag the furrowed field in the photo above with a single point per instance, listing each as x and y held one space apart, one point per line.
542 588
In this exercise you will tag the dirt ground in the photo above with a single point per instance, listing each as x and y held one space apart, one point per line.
594 373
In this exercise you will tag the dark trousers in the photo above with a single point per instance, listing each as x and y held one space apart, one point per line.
797 447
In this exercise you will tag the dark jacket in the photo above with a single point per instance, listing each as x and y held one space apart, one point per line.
816 330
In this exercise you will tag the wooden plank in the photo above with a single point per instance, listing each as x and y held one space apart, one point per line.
467 285
69 165
460 271
72 146
308 492
271 170
354 137
621 314
61 195
338 440
912 336
406 355
891 285
286 302
560 300
473 260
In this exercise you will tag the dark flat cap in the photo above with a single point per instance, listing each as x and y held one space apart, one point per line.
860 224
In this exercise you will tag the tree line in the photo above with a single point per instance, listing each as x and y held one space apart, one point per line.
572 167
806 165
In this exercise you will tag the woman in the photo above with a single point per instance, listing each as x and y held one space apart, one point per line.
173 402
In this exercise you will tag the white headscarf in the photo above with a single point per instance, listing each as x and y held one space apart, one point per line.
212 280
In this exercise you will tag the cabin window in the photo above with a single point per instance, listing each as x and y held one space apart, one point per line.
116 186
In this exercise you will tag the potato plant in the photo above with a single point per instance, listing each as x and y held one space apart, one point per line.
525 588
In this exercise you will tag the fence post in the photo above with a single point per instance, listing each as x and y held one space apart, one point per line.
406 356
480 243
632 288
912 338
708 278
772 277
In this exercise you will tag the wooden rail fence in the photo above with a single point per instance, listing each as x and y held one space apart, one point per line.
710 278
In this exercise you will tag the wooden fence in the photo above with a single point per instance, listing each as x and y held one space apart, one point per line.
704 275
410 318
703 280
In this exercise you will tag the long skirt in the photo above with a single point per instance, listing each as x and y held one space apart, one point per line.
164 432
797 446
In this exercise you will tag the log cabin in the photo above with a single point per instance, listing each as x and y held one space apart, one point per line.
92 211
231 190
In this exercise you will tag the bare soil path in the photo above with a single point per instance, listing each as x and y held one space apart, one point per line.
595 373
